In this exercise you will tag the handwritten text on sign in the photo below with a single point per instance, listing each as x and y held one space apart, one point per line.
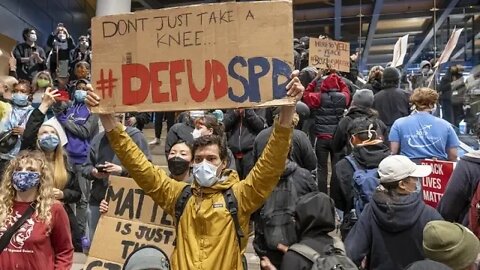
224 55
434 185
133 220
329 54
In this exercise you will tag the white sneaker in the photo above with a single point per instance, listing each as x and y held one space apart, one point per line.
154 142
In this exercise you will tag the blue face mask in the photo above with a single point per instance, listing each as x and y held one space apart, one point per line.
418 186
25 180
48 142
80 95
20 99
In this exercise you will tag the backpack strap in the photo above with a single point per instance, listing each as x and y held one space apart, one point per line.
8 234
305 251
353 162
232 207
181 203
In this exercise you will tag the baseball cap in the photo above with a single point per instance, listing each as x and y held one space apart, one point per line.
147 257
397 167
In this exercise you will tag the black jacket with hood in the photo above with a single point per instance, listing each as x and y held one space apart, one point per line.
304 183
455 203
242 129
341 138
391 104
389 231
101 151
315 218
302 151
368 157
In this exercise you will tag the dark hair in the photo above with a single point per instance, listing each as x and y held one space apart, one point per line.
359 126
25 32
204 141
189 145
24 82
210 121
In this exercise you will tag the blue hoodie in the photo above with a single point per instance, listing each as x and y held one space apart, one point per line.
80 126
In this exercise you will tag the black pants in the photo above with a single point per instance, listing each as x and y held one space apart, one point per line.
458 114
324 151
159 122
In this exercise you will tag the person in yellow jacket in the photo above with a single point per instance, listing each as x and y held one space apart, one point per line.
206 235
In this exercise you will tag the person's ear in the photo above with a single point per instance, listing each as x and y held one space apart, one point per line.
403 184
210 130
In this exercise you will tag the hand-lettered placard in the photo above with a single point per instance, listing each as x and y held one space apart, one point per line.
434 185
329 54
224 55
132 220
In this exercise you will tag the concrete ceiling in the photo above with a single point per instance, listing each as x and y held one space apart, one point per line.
396 18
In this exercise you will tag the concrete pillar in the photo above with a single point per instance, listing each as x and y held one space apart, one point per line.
112 7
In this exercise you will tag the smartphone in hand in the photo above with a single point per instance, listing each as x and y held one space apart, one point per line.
101 168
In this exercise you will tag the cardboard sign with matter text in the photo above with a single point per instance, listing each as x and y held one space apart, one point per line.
209 56
133 220
434 185
329 54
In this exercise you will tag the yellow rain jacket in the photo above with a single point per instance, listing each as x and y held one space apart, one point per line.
206 236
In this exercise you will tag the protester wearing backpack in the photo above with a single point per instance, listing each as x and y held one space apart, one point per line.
455 205
356 177
315 219
361 107
328 101
389 231
274 222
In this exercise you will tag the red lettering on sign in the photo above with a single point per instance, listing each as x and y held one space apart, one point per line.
199 95
220 80
135 96
157 95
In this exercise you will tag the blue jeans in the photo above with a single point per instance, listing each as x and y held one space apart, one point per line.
93 219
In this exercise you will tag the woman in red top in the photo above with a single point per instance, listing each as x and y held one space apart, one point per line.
44 240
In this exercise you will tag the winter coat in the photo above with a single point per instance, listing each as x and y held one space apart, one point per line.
389 231
242 129
374 85
368 157
315 218
100 152
341 137
302 151
206 236
391 104
304 182
28 70
455 203
327 100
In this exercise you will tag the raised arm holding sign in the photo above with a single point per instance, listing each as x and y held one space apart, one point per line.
207 56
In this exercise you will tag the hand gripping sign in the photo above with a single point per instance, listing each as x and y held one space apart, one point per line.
224 55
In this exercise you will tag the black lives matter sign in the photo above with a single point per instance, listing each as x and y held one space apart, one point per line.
133 220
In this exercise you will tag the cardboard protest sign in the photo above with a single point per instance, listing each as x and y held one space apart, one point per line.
210 56
399 51
329 54
434 185
451 44
133 220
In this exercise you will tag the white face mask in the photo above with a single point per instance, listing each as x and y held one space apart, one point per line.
205 173
196 134
62 37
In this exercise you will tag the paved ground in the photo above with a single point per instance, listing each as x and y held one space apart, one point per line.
158 155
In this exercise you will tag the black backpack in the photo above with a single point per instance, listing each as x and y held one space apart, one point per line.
333 258
278 213
232 206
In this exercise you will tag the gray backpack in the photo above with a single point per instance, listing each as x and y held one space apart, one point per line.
333 259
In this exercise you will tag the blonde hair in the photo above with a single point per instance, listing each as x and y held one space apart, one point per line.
8 81
424 98
57 165
35 79
45 196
